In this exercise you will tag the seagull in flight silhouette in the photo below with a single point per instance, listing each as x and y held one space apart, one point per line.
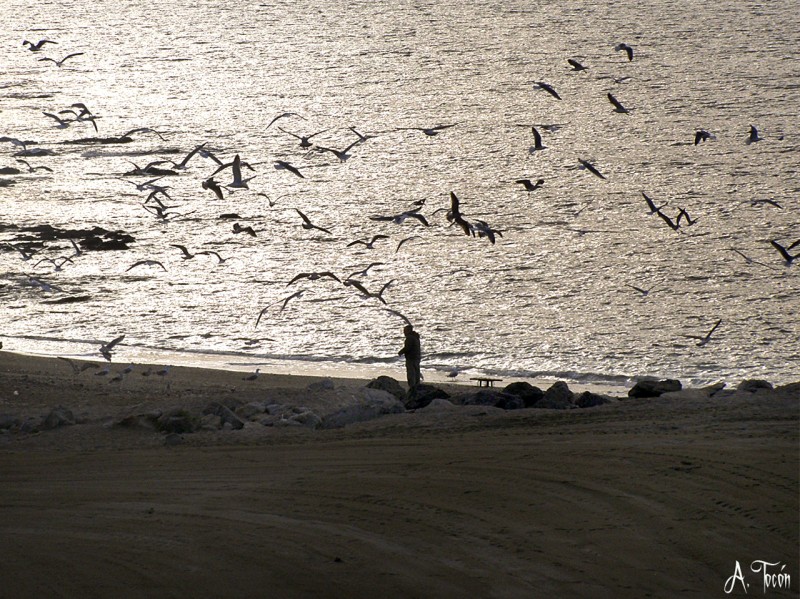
618 107
304 139
367 294
364 272
283 307
342 155
283 116
146 263
529 185
283 165
753 137
788 258
651 204
59 63
400 218
308 225
537 141
105 348
548 88
38 45
368 244
314 276
237 228
702 135
576 66
628 50
429 131
707 337
591 168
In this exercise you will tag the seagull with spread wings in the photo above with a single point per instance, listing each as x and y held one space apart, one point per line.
308 225
60 63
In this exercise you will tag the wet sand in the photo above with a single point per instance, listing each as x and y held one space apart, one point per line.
640 497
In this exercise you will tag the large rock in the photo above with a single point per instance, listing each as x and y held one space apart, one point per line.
525 391
226 415
654 387
491 397
753 385
421 395
177 421
588 399
7 421
58 417
557 397
387 383
374 404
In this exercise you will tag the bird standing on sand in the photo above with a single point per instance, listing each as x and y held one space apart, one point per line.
252 377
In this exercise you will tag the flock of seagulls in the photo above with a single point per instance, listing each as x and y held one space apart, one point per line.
243 175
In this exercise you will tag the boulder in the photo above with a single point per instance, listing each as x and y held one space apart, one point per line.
249 410
177 421
753 385
557 397
227 415
57 417
491 397
525 391
387 383
421 395
375 403
7 421
325 384
654 387
588 399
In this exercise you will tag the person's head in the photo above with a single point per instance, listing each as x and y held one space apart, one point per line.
407 329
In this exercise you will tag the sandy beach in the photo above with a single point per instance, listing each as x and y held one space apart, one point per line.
639 497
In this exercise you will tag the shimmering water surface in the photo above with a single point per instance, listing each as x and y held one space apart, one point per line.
551 298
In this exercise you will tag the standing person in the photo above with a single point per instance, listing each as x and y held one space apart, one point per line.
413 353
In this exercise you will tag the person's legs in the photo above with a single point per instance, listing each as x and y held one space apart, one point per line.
411 374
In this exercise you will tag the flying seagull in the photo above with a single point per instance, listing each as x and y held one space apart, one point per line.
304 139
454 215
400 218
364 292
789 259
308 225
651 204
38 45
548 88
59 63
283 116
529 185
146 263
702 135
105 348
237 228
753 137
618 107
285 301
591 168
429 131
628 50
314 276
707 337
576 66
368 244
537 140
283 165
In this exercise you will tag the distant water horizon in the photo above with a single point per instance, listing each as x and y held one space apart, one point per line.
582 283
